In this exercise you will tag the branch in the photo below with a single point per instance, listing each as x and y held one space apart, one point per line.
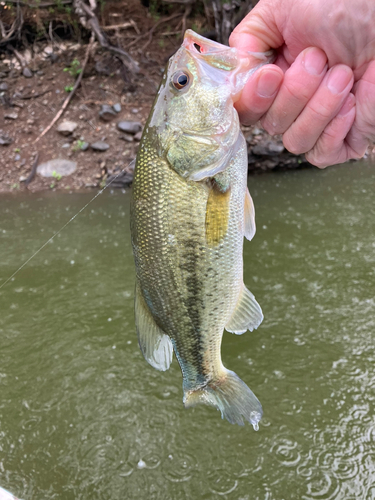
68 99
89 20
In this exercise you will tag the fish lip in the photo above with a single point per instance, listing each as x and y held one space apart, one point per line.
191 38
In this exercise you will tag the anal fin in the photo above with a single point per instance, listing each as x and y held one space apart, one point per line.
247 314
155 345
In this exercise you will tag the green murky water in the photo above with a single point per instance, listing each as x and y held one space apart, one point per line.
82 416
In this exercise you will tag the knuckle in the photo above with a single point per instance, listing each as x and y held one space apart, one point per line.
297 91
322 112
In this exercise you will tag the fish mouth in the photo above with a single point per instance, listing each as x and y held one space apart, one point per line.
237 64
214 53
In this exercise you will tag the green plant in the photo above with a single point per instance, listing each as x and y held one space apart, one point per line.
74 68
161 43
17 150
78 145
52 185
56 176
15 186
68 88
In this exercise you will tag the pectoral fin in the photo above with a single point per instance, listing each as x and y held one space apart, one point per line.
249 222
217 215
247 314
155 345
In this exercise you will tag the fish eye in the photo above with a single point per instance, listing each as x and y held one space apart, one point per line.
180 79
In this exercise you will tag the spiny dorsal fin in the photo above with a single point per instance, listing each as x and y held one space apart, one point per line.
155 345
247 314
249 221
217 215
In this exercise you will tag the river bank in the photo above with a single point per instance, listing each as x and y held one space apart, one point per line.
98 135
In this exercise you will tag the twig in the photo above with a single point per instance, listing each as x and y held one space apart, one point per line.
89 20
33 171
34 96
150 33
40 5
68 99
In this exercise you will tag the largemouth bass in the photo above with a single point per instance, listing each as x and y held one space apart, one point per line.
190 212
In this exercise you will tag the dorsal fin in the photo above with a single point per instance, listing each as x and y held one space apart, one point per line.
247 315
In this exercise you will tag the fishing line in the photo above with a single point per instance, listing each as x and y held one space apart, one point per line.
63 227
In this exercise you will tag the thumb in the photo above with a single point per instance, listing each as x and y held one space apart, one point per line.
258 31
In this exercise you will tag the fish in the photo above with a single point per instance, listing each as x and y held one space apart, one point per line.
5 495
190 212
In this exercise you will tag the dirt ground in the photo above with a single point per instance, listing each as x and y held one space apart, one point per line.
29 103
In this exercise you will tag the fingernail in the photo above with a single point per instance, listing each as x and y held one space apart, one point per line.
314 61
347 106
339 78
268 83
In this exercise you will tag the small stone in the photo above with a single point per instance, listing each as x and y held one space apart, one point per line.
57 167
117 107
3 87
2 74
268 148
129 127
99 146
17 157
5 139
30 121
45 102
23 178
138 136
67 127
27 73
40 72
135 111
84 146
66 145
106 112
11 116
126 137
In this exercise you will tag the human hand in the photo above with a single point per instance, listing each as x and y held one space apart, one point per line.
317 109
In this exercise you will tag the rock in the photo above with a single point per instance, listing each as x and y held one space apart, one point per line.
135 111
84 146
268 148
129 127
27 73
117 107
126 137
3 87
99 146
106 112
56 167
5 139
40 72
66 145
17 157
67 127
123 180
138 136
11 116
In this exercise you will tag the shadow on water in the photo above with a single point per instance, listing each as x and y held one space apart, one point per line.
83 416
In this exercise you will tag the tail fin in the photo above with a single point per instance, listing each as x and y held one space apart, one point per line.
231 396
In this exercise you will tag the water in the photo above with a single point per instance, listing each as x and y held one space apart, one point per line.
82 415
